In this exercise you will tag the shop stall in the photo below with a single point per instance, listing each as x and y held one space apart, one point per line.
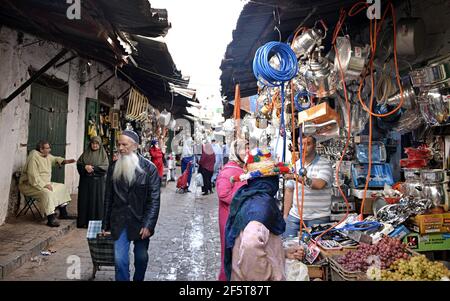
379 112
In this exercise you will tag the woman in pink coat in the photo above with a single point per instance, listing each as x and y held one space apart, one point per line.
226 190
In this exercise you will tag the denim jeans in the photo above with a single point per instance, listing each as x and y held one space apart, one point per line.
293 224
122 258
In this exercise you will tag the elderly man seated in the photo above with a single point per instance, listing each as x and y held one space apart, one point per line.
35 182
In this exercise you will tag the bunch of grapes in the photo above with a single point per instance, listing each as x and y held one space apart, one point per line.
416 268
385 252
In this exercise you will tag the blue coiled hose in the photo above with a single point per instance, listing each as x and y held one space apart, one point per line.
271 77
266 74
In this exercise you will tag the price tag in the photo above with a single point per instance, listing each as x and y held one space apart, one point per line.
312 252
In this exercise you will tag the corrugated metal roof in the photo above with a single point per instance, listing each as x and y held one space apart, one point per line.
121 21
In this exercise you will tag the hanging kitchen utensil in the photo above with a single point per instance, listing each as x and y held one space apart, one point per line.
433 107
305 43
359 117
352 58
172 124
318 76
409 97
411 36
164 118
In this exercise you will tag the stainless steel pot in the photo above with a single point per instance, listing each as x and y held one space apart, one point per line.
430 176
411 36
413 189
412 174
319 77
437 193
409 97
433 108
352 58
304 44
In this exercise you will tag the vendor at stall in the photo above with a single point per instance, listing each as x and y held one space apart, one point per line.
317 198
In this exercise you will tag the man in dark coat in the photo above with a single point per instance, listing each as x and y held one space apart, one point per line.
131 206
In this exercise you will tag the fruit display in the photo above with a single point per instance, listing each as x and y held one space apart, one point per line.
416 268
381 255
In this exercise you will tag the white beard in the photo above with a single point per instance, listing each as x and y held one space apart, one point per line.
126 167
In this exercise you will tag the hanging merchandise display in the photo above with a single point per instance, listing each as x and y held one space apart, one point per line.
352 58
318 75
304 44
378 111
137 106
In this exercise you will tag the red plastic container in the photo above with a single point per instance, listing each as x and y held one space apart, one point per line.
413 163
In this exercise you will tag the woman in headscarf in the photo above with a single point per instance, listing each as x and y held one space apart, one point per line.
157 157
92 167
253 246
226 190
206 163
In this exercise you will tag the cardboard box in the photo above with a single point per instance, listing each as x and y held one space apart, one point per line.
428 242
318 114
430 223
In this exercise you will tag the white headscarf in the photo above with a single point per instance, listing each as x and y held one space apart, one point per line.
235 146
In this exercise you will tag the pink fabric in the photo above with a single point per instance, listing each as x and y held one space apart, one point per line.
258 255
225 192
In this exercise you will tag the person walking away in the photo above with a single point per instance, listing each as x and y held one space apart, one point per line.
132 202
206 167
35 182
92 167
253 247
226 190
171 165
218 152
157 157
317 198
187 156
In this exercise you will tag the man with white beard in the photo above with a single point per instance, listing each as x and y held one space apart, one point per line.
131 206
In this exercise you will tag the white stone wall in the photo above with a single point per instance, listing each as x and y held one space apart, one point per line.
15 60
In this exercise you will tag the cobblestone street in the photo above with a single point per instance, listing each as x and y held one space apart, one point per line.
186 245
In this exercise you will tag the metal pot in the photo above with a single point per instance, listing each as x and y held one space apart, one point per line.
352 58
413 189
411 36
433 108
436 193
304 44
431 176
318 77
412 174
409 97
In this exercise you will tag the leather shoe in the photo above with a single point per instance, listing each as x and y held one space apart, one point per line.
52 221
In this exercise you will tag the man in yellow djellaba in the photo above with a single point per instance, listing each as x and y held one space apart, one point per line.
35 182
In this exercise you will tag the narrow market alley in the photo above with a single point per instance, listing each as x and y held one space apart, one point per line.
185 246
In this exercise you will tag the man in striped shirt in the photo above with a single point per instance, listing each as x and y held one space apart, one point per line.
317 199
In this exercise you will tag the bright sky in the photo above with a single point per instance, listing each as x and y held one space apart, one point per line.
200 33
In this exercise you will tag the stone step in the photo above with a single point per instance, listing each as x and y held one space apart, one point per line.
24 238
